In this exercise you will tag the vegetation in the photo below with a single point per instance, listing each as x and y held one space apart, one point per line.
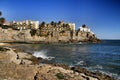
33 32
59 22
59 76
3 49
54 26
2 19
52 23
43 33
83 25
43 24
0 13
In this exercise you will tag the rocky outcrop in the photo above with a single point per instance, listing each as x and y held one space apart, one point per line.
87 37
15 64
18 57
10 35
30 35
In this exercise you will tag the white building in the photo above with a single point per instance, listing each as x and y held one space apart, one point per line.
72 26
85 29
35 24
27 24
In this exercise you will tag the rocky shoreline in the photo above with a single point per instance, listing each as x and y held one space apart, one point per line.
15 64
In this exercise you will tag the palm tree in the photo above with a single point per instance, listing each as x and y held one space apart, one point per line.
43 24
52 22
55 24
83 25
59 22
0 13
2 20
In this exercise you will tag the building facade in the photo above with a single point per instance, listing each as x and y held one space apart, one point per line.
58 27
22 25
72 26
85 29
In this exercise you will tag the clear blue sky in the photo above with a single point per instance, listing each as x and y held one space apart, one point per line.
102 16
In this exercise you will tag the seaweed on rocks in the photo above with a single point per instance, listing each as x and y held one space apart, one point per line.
97 75
59 76
4 49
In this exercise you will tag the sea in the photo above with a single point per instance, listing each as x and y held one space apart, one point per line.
101 57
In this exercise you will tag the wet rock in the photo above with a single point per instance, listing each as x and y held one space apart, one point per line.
62 65
3 49
98 75
19 50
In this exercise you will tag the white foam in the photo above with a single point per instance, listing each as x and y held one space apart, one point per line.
114 75
95 68
99 68
80 43
80 63
42 54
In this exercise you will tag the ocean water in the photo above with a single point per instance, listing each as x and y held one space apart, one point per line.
101 57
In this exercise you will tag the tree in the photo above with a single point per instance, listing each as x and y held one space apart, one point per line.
64 25
43 23
55 24
33 32
52 22
0 13
59 22
2 20
67 25
83 25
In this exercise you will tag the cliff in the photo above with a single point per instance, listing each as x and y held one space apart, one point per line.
36 35
15 64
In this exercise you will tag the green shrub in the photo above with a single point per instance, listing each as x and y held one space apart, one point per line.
33 32
59 76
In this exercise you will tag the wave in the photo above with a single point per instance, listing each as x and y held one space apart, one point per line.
80 63
42 54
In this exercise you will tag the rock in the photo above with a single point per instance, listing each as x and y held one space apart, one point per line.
19 50
10 35
62 65
4 44
99 76
24 61
17 72
23 66
10 55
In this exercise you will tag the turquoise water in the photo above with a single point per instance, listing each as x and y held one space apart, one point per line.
102 57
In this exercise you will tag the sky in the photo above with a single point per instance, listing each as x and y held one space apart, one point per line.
101 16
